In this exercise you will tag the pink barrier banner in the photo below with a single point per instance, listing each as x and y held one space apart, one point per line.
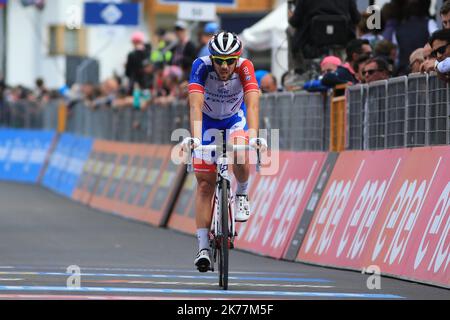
412 238
278 202
387 209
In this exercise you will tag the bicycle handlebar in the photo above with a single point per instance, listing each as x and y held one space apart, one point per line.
236 148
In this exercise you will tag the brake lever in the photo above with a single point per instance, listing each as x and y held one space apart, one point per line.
190 167
258 157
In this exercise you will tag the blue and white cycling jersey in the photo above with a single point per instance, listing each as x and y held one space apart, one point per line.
223 107
223 99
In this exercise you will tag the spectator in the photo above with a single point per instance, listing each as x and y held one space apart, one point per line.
259 74
285 86
346 73
148 77
134 66
158 80
429 63
445 15
172 77
41 92
109 90
359 65
268 83
2 87
208 31
376 69
184 52
303 45
354 49
391 15
329 65
413 31
162 52
440 43
388 51
90 94
3 107
416 59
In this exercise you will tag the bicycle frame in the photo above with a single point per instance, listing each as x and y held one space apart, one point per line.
223 174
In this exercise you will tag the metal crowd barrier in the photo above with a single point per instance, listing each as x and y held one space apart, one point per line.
21 114
302 120
152 125
401 112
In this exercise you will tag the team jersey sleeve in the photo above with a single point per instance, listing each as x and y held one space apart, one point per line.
444 66
198 77
248 78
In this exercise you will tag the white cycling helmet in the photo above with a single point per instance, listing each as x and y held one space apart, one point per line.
225 44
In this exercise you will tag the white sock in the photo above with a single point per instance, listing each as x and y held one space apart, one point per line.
203 239
242 188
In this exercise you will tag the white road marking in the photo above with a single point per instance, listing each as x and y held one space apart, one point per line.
240 284
11 279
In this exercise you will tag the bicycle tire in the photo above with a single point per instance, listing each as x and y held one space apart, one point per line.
224 252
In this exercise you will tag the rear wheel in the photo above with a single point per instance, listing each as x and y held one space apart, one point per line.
223 236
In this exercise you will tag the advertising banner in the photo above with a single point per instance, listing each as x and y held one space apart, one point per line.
278 202
66 163
23 154
349 207
118 158
385 209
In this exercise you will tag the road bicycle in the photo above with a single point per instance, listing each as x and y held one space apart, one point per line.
223 225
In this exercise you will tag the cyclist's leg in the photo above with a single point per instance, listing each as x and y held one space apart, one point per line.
203 206
205 172
241 167
238 135
206 183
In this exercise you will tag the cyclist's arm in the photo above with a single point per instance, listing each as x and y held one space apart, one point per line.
251 96
197 97
196 100
252 102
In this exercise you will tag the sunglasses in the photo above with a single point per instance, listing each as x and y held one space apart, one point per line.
220 60
440 50
370 72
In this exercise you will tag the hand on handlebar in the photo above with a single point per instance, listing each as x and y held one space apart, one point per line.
259 144
190 144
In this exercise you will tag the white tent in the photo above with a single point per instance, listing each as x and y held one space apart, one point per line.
270 33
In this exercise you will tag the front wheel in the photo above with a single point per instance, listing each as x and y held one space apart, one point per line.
223 236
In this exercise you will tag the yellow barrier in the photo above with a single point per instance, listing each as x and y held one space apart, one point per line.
338 119
62 117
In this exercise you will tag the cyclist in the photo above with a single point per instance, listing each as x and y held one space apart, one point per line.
223 95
